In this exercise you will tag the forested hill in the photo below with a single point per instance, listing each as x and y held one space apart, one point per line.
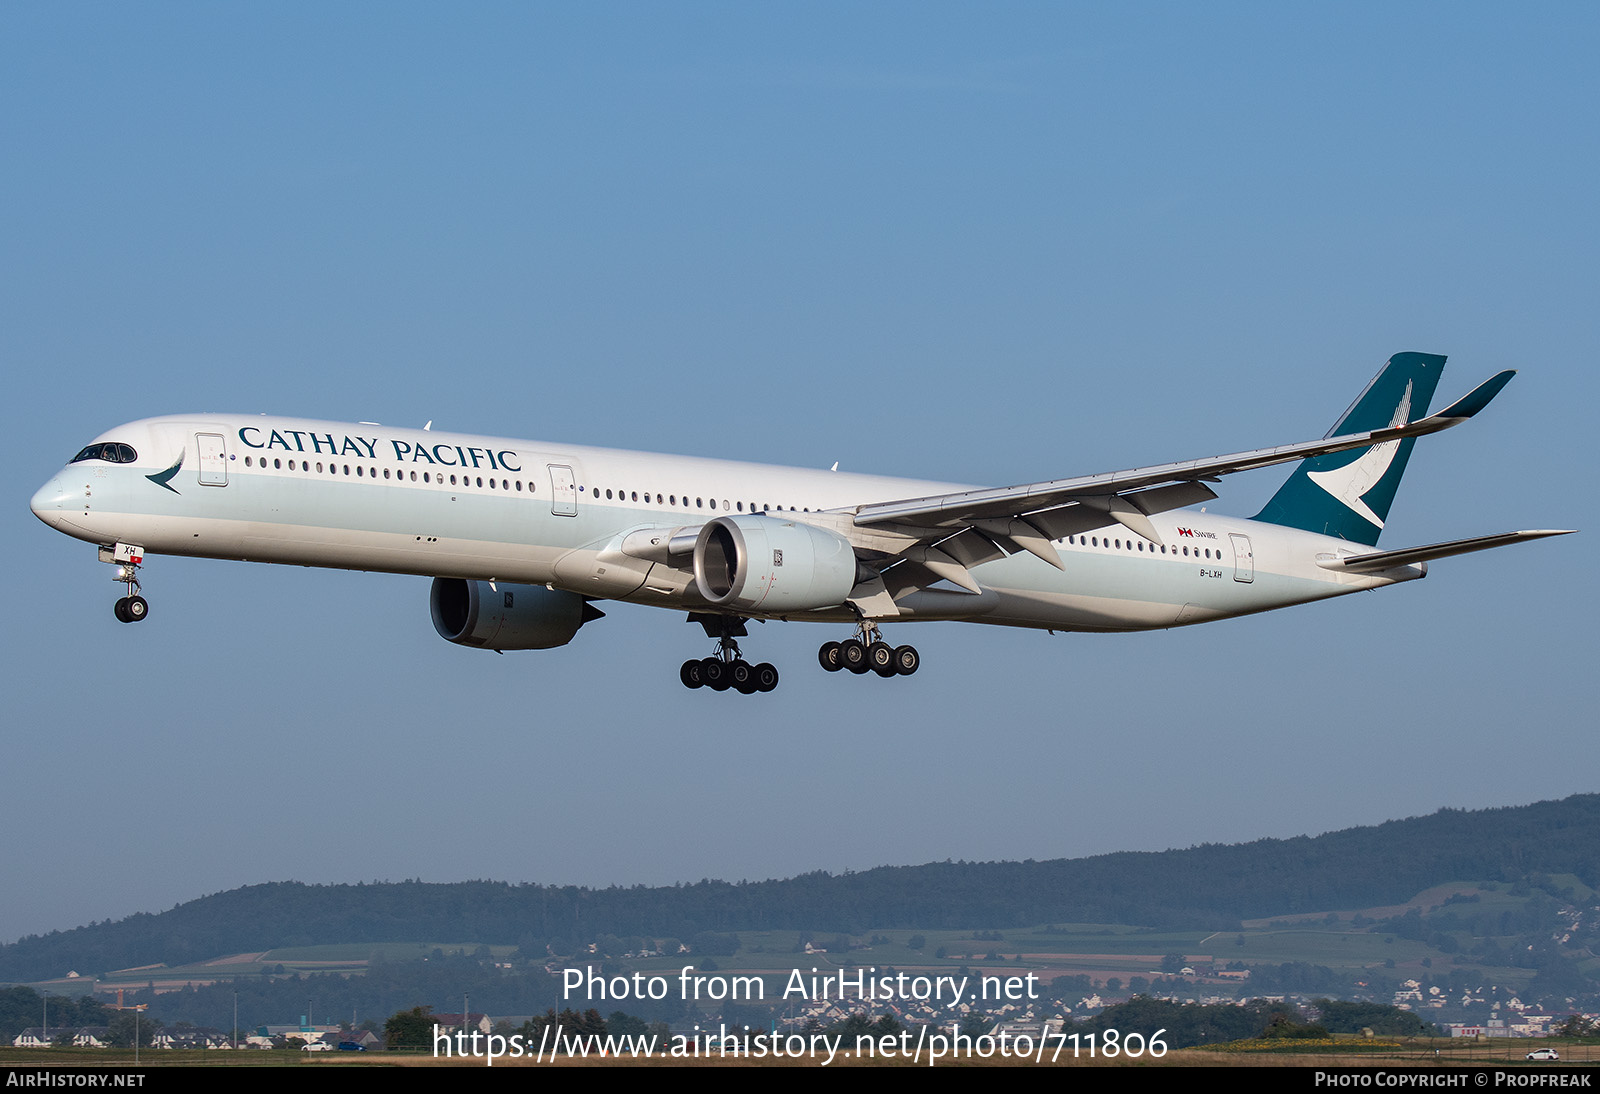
1211 886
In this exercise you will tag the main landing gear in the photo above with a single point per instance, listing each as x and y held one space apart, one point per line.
726 669
868 652
127 559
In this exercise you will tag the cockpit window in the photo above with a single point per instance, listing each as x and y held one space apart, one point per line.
110 451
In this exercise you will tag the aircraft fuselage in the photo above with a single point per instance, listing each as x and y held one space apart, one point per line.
368 497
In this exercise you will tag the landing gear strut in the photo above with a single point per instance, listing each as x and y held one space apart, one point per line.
127 559
868 652
726 668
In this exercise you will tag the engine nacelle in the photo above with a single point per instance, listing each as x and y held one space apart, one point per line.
506 617
762 563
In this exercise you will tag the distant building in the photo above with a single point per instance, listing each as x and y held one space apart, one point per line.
191 1037
40 1036
475 1021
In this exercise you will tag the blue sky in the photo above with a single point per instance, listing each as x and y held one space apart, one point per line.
978 243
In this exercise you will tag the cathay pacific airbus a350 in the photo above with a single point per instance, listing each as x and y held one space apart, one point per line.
521 537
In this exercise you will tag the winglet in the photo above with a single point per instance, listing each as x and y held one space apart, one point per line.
1478 398
1460 410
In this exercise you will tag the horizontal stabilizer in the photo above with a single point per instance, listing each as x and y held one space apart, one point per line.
1385 560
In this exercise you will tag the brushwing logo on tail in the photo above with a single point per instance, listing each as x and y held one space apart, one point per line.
1348 484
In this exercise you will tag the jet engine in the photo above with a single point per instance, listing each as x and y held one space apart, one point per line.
506 617
762 563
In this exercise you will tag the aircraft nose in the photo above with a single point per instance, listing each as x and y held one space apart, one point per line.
52 501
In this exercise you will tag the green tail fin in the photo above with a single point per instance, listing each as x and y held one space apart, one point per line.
1348 494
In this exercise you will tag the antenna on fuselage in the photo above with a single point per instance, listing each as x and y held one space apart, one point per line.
428 426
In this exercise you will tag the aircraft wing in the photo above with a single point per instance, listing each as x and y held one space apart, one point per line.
1015 500
915 542
947 534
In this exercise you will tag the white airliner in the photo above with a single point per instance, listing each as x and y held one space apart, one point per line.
520 536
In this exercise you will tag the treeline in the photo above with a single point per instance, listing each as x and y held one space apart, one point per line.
1211 886
23 1008
387 987
1174 1025
1189 1025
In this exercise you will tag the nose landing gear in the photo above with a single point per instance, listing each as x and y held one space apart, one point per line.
868 652
127 559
